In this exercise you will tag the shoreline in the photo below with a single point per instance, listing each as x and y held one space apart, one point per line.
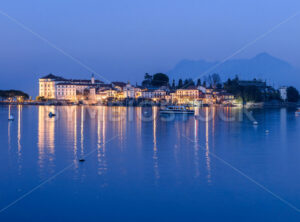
266 105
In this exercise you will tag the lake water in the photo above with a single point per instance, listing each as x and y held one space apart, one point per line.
141 166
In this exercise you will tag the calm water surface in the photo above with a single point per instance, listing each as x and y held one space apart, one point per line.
140 168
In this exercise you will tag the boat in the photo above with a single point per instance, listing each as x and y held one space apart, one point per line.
51 114
10 116
177 109
229 105
297 112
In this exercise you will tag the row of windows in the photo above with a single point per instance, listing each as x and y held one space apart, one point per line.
46 85
48 90
66 94
188 93
67 90
70 86
66 86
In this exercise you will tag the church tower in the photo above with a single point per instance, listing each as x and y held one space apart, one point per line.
93 79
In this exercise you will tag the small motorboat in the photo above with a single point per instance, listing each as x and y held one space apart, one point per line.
177 110
255 123
51 114
297 112
10 116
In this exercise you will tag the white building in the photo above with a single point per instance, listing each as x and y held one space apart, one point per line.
55 87
283 92
65 91
153 94
202 89
189 92
129 91
47 86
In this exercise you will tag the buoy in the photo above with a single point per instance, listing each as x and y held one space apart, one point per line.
11 118
81 160
267 131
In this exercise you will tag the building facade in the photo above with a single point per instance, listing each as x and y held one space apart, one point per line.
56 87
283 93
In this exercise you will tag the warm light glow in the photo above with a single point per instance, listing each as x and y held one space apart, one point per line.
155 150
46 134
207 146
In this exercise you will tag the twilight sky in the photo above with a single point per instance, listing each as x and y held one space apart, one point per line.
121 40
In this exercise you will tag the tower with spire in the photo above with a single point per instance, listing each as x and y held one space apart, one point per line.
93 79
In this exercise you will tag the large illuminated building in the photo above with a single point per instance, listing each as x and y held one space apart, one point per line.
56 87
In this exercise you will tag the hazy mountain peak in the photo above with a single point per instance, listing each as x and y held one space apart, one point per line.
263 55
263 66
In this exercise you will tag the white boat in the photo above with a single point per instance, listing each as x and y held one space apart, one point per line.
297 112
177 109
10 116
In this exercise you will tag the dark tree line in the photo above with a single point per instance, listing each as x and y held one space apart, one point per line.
13 93
246 93
258 94
161 79
157 80
292 94
211 81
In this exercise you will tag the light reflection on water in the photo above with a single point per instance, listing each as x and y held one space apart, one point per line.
149 156
75 119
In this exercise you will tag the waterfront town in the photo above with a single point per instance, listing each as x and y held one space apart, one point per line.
155 89
97 92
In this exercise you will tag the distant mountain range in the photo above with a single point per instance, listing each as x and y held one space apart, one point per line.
263 66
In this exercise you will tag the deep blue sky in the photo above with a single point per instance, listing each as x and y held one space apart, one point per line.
122 40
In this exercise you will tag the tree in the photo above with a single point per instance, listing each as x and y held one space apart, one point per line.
40 98
13 93
252 93
147 76
198 82
188 82
147 80
208 80
191 82
204 83
185 83
215 78
232 86
160 79
219 86
180 84
173 84
292 94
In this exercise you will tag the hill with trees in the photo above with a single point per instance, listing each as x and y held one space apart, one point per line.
13 94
